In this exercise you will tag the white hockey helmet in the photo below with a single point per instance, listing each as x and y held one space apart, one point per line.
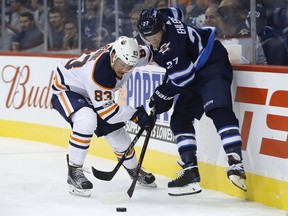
126 49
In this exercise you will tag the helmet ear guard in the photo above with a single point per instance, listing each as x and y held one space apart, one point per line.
126 49
150 22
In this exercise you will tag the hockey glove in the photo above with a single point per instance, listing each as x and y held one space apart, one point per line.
162 99
141 118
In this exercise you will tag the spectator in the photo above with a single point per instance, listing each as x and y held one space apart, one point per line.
233 18
275 37
89 20
38 8
186 3
217 2
13 25
151 3
56 29
17 7
127 5
7 15
134 15
71 39
30 36
212 18
196 15
260 14
0 38
98 23
69 11
162 4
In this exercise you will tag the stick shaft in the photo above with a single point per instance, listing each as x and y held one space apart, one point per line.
107 176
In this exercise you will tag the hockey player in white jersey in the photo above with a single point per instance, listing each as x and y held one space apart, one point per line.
84 92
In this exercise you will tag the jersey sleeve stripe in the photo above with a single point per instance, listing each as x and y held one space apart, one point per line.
54 88
62 79
205 53
57 84
187 75
111 114
67 107
179 74
108 110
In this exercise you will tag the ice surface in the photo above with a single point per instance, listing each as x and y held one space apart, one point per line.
33 182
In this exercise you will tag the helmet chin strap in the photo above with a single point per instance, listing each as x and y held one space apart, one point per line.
144 39
112 59
163 30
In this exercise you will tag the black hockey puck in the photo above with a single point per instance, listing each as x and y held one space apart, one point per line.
121 209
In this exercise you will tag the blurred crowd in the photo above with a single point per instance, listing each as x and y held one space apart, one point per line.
71 26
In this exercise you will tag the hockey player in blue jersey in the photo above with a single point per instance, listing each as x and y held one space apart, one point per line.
84 94
200 73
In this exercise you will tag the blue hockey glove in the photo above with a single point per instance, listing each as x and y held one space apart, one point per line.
162 99
141 118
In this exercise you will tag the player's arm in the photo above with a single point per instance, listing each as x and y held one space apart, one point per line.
112 112
103 100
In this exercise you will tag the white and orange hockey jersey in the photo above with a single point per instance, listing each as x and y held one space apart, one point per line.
92 76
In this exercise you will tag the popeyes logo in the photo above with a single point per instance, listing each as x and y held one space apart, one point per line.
259 96
21 92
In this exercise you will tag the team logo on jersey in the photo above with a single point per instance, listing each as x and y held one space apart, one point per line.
109 103
164 48
81 101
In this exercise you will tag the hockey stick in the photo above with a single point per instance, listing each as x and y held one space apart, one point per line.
152 121
119 197
108 175
122 196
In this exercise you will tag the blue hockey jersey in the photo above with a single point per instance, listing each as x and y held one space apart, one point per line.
183 50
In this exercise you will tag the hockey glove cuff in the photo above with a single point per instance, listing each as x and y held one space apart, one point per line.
162 100
141 118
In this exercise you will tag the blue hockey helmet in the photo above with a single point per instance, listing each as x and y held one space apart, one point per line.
150 22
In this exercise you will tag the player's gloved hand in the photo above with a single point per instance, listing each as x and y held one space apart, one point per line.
162 99
141 118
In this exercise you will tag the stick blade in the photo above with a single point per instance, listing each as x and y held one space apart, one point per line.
105 176
130 191
114 198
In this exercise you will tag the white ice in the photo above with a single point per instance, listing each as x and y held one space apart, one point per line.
33 182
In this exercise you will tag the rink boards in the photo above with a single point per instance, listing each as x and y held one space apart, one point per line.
260 103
